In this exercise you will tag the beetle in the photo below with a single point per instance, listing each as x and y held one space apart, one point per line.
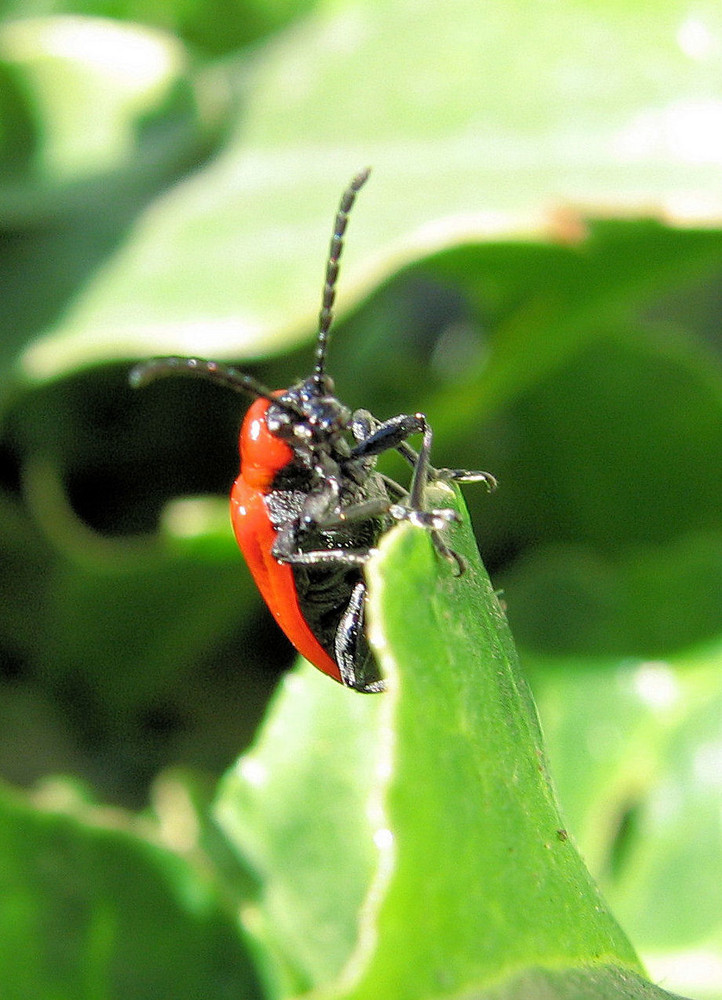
309 506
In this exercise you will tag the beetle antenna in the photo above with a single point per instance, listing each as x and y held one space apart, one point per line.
231 378
325 317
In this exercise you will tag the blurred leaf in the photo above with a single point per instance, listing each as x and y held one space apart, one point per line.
119 636
545 304
429 803
649 601
592 983
615 449
139 603
99 117
212 26
203 267
18 130
105 97
635 749
612 465
95 910
295 811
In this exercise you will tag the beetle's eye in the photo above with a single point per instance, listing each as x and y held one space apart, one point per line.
279 421
302 432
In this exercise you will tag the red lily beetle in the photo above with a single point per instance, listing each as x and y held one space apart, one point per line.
309 506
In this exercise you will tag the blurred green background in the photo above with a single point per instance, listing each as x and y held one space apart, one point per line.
536 263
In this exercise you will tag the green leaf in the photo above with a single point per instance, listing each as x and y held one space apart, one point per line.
409 844
478 125
90 909
647 601
98 116
295 810
635 748
106 97
18 130
544 304
211 26
593 983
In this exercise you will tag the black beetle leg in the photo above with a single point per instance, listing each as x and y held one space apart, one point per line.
392 434
463 476
285 549
458 562
448 475
365 510
350 647
381 437
367 431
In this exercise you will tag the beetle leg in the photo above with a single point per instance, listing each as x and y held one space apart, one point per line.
447 475
463 476
355 661
458 562
363 424
366 510
392 434
285 549
393 486
374 437
384 436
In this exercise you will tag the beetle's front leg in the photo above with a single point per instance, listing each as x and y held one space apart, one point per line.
392 434
373 437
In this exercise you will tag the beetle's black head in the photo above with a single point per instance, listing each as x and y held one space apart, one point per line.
309 414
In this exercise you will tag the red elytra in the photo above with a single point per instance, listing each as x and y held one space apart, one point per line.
262 456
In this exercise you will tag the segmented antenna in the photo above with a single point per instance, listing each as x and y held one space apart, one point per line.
149 371
325 317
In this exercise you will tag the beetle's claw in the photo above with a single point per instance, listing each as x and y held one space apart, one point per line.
463 476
